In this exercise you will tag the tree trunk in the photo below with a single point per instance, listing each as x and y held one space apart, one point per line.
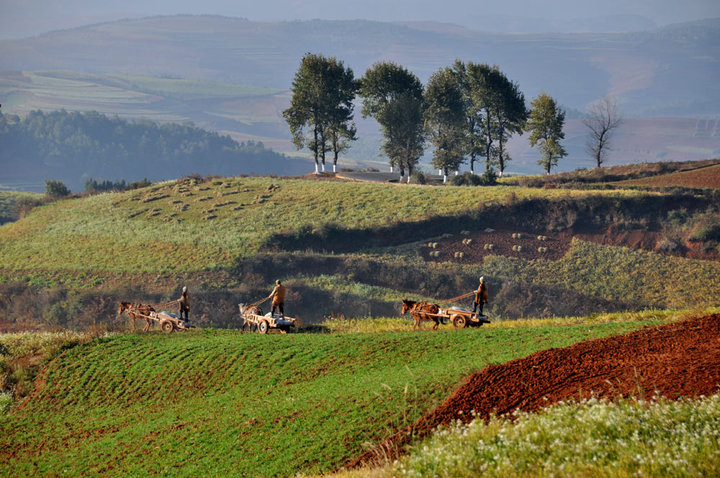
322 149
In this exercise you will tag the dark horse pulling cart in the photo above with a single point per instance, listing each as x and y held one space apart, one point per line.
168 321
459 317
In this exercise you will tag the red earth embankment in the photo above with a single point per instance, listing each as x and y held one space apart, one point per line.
707 177
552 246
676 360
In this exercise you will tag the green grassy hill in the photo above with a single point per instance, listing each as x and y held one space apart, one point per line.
191 226
212 402
222 402
69 262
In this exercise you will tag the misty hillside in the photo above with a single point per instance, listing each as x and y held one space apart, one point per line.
665 71
232 76
75 147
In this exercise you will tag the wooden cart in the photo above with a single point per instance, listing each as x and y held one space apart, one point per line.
264 323
168 321
461 318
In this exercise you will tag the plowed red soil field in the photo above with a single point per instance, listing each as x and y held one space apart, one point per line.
708 177
672 361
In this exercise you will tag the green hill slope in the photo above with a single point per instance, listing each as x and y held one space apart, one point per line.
214 402
203 226
69 262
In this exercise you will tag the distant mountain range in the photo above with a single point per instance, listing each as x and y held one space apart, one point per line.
233 75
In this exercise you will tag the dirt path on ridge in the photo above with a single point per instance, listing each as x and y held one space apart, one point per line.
675 360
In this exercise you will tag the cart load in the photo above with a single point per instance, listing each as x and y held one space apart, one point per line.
461 318
254 320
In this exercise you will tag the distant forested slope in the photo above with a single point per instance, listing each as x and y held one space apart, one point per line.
72 147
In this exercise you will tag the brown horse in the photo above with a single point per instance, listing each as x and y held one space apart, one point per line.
134 309
246 310
421 311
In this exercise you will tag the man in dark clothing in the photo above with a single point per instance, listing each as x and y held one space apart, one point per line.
184 303
481 296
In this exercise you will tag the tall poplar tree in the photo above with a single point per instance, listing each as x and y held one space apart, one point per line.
445 120
323 91
510 115
546 130
394 97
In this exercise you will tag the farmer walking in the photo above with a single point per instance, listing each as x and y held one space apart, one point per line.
184 303
481 296
278 299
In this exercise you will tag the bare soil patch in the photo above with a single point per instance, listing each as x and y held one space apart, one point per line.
672 361
472 248
707 177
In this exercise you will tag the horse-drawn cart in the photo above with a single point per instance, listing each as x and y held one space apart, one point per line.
461 318
254 321
168 321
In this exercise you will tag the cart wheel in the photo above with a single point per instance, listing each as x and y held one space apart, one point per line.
459 321
167 326
263 327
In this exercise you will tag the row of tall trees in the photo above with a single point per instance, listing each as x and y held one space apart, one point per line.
467 112
472 111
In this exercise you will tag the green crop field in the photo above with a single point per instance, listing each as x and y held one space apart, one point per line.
134 96
635 276
221 402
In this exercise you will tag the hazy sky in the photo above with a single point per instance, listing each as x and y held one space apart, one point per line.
22 18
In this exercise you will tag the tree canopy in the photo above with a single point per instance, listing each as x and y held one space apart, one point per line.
445 120
322 102
546 130
394 97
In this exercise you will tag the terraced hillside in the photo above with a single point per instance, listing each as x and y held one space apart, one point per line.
356 249
223 402
186 225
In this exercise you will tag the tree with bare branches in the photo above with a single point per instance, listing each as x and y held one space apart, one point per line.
602 120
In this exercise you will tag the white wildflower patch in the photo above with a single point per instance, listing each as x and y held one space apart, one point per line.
594 437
